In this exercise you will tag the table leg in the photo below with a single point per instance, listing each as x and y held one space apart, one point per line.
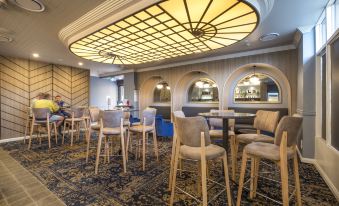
225 145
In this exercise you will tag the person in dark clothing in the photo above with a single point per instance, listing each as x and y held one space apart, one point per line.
58 100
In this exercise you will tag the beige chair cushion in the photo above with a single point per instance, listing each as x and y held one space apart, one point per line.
218 133
194 153
249 138
95 126
126 123
266 151
111 131
139 128
136 123
75 119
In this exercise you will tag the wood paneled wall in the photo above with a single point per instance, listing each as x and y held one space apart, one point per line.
220 71
21 80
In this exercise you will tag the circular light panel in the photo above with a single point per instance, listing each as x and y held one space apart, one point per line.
269 37
30 5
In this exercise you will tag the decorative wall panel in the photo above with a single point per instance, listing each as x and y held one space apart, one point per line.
20 82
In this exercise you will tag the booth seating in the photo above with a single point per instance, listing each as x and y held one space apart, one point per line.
163 127
247 124
164 111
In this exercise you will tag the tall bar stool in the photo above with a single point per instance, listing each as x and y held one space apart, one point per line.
93 126
218 134
75 120
282 150
145 127
193 143
40 119
175 114
111 124
29 119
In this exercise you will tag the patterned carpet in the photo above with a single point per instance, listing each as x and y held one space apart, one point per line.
64 171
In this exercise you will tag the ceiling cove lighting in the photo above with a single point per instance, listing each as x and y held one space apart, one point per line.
169 29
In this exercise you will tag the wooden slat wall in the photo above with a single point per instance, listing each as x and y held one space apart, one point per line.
21 80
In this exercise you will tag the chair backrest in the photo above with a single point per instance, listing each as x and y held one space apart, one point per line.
127 115
178 114
77 112
266 120
112 118
41 113
292 125
189 131
94 113
217 122
149 115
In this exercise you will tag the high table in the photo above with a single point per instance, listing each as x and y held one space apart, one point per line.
225 116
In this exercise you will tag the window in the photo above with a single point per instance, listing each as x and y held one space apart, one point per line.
257 88
335 94
204 90
162 93
323 96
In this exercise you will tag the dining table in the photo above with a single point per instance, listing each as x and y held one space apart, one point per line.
226 116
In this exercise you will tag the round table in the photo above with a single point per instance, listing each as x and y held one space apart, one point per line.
225 116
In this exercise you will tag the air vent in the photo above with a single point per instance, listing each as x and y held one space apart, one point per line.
269 37
4 38
30 5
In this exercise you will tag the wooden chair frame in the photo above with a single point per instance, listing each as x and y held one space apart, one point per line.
70 128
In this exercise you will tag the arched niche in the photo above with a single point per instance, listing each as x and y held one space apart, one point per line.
245 70
180 92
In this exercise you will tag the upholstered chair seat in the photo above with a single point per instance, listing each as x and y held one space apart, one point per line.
219 133
110 131
74 119
280 151
136 123
194 153
95 126
249 138
139 128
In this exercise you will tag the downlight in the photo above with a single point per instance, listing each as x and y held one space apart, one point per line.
30 5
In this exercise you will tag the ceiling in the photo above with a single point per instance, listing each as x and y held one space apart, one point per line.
38 32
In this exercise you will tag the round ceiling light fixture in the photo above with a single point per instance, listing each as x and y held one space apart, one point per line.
269 37
30 5
5 38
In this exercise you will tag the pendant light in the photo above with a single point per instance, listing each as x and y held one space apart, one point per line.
254 78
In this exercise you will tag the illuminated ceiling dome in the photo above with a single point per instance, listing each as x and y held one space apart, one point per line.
169 29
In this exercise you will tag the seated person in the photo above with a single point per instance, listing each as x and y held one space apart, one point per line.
46 102
58 100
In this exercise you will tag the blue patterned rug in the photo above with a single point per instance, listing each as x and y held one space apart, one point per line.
64 171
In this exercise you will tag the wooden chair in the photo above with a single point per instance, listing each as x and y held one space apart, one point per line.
193 143
74 122
93 126
29 118
217 134
145 127
282 150
40 119
111 125
175 114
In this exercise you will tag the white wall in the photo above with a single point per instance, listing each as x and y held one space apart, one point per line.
100 89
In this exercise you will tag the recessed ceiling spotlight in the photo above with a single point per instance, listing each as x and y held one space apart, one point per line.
269 37
5 38
35 55
80 63
30 5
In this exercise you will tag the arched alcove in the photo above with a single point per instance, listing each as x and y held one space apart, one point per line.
245 70
180 92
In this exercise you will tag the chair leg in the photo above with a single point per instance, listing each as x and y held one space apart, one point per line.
242 176
30 136
49 135
227 180
199 179
204 181
252 177
256 175
72 127
284 180
155 144
233 156
88 142
63 135
55 133
127 144
78 130
174 178
98 153
123 151
143 150
296 179
26 128
172 163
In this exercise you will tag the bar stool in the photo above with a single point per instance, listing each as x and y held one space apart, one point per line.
41 119
111 124
93 126
218 134
193 143
175 114
29 118
282 150
145 127
77 114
